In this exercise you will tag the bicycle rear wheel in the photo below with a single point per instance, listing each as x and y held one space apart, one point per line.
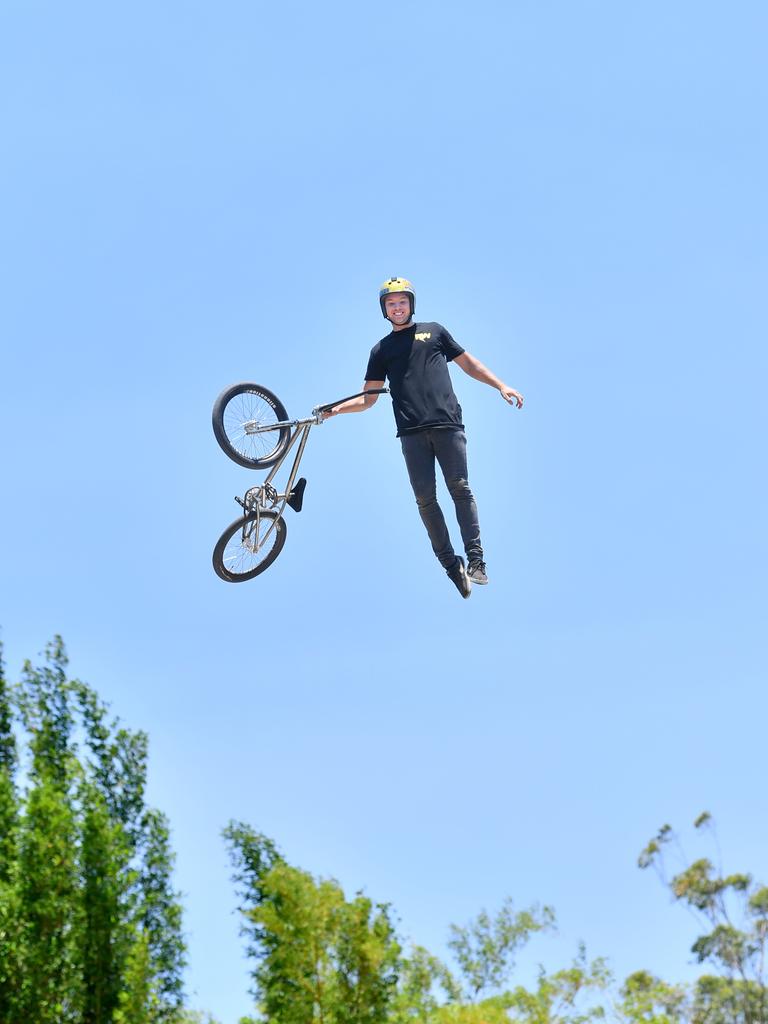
242 552
240 409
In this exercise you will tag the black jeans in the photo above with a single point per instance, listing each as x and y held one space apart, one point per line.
449 447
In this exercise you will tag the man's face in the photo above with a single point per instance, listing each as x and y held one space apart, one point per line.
398 308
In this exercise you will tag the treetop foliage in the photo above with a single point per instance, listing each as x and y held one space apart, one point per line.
485 948
732 910
90 927
320 957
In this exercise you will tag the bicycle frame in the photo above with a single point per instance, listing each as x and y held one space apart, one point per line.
264 496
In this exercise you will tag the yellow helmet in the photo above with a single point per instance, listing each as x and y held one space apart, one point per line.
396 284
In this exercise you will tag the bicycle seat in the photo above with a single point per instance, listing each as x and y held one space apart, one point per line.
296 499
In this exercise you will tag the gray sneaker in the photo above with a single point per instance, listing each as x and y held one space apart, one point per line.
458 576
476 571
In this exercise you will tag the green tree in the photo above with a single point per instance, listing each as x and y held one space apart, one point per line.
732 909
159 914
420 975
102 859
485 948
9 916
488 1011
50 912
318 957
720 1000
367 958
566 996
645 999
90 927
8 760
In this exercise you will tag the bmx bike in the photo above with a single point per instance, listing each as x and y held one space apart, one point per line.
252 427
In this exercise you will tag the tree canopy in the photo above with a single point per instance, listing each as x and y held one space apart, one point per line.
90 927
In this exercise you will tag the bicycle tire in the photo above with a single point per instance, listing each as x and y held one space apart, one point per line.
234 559
247 403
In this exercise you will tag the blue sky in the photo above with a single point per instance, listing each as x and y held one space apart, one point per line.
198 194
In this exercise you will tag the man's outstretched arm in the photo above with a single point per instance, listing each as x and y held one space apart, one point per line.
357 404
475 369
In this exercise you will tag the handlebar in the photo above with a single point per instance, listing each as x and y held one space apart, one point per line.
340 401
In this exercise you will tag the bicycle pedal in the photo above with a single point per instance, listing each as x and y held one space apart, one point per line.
296 499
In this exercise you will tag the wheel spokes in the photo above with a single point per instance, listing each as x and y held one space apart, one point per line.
243 553
249 407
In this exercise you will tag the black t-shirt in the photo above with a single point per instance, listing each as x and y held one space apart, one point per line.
415 361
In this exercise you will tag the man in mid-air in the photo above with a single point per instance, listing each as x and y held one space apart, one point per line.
414 358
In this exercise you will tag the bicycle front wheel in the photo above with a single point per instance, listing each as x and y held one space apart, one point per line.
248 547
238 413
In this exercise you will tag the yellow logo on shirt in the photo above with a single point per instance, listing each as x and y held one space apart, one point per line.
424 336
